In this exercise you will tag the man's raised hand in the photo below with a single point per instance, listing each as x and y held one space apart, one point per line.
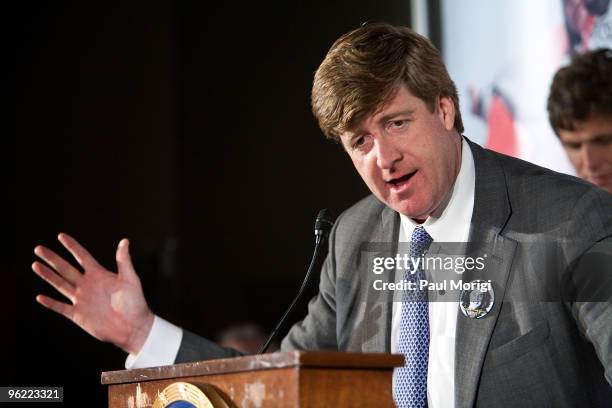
109 306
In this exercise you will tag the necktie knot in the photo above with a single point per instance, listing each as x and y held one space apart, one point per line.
420 241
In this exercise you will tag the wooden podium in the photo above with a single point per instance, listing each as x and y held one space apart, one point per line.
290 379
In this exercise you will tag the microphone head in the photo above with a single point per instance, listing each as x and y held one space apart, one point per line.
323 223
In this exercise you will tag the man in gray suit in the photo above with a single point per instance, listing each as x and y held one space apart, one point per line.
543 335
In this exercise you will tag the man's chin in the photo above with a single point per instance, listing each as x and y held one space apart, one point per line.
603 184
417 213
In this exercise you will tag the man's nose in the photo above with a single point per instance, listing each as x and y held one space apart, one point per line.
590 157
387 155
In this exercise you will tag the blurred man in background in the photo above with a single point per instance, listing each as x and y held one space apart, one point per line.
580 112
246 337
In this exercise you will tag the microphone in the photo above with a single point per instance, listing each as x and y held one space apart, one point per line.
323 225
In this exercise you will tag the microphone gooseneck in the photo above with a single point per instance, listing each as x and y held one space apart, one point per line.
323 226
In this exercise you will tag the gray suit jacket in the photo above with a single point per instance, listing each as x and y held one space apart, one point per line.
548 339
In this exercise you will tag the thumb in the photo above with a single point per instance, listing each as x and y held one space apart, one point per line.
124 261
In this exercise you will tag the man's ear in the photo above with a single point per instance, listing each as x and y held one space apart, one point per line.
446 111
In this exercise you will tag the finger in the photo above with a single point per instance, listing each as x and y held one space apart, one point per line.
69 272
82 256
55 280
125 267
58 307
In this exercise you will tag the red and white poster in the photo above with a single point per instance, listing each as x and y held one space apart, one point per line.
503 54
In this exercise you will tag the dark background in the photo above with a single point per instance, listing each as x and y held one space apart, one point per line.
186 127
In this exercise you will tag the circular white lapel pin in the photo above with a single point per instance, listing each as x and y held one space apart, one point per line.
477 300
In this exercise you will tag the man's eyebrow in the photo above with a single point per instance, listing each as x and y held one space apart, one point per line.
354 135
571 143
358 130
600 136
392 115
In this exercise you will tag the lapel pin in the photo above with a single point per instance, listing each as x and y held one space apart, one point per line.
477 300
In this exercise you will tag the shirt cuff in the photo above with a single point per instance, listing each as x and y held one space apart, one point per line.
160 347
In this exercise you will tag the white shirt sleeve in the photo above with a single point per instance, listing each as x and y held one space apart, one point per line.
160 347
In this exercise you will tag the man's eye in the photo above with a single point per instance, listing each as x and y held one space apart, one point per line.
571 146
603 140
358 142
397 124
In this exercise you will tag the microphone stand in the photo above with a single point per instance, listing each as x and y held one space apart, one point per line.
320 235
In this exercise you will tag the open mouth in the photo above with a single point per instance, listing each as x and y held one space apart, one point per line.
396 182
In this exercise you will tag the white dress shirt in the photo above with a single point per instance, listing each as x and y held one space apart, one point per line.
160 347
453 225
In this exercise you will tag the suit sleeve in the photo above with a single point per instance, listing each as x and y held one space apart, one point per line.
196 348
592 308
591 274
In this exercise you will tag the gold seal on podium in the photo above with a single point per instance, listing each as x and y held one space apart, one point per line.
186 395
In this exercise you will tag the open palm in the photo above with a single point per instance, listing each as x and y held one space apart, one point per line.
109 306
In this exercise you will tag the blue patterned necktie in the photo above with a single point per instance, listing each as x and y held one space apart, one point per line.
410 388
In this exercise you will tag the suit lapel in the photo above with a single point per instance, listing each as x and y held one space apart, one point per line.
378 312
473 335
490 215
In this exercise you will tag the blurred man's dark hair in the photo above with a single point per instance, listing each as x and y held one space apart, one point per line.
580 112
581 90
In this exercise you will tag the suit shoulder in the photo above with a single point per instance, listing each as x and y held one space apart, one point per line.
367 209
532 181
367 205
358 221
546 196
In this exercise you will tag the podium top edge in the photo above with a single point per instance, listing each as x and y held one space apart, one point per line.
305 359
